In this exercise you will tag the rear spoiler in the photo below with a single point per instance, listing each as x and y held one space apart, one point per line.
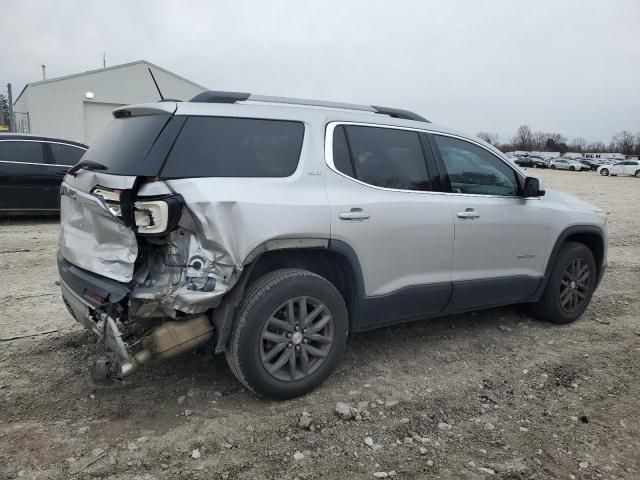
138 110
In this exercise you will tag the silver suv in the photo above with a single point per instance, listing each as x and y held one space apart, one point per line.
274 228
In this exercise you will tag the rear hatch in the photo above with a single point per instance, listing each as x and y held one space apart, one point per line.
95 217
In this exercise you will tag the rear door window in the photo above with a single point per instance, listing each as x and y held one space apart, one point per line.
21 151
66 155
383 157
235 147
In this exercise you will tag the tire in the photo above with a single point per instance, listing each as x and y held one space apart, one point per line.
552 305
265 310
553 167
573 169
604 172
637 174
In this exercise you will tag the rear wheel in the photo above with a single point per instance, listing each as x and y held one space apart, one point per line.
604 172
572 168
290 331
553 167
637 174
570 285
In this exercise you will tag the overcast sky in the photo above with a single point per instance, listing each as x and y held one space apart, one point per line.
571 66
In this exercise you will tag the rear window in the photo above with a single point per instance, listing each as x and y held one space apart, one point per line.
123 145
235 147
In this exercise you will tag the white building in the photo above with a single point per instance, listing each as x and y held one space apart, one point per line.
77 107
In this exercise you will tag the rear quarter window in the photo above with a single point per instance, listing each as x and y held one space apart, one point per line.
235 147
66 154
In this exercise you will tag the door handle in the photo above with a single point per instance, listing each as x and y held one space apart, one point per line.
468 213
354 214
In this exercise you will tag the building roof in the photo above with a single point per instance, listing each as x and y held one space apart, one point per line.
114 67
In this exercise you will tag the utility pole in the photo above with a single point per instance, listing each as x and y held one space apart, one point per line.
44 72
12 123
104 60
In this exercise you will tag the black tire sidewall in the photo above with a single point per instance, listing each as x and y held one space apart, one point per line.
257 310
568 253
604 172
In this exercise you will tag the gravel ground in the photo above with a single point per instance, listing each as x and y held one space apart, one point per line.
492 394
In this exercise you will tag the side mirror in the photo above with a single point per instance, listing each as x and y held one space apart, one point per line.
532 187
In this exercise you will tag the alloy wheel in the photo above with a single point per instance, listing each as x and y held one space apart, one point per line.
296 339
574 285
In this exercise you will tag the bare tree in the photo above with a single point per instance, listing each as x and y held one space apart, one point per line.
524 138
596 147
578 144
624 142
491 138
539 140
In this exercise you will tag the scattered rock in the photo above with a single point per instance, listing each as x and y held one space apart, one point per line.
83 430
195 454
380 475
97 452
391 403
345 411
404 420
142 440
188 413
488 471
524 429
368 441
584 465
429 463
298 456
305 420
444 426
489 426
423 451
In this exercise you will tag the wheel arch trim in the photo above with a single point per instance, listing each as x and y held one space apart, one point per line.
566 234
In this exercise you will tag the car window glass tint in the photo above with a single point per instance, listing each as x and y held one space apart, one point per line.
341 159
387 157
474 170
235 147
65 154
21 151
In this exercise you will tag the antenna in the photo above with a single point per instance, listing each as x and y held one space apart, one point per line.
156 83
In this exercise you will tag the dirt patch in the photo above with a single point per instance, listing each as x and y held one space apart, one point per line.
492 394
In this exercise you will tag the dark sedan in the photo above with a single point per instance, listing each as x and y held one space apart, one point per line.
31 170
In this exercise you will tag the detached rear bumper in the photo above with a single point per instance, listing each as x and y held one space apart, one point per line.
90 299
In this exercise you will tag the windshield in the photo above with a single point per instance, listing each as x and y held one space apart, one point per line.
123 146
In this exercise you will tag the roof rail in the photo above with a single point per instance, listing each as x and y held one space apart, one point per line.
232 97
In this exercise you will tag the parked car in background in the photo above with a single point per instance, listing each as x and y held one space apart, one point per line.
567 164
524 162
31 171
539 162
593 165
628 167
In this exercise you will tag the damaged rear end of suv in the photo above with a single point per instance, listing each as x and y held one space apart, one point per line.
163 215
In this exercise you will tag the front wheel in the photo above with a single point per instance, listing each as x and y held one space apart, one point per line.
570 285
553 167
604 172
572 169
290 331
637 174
